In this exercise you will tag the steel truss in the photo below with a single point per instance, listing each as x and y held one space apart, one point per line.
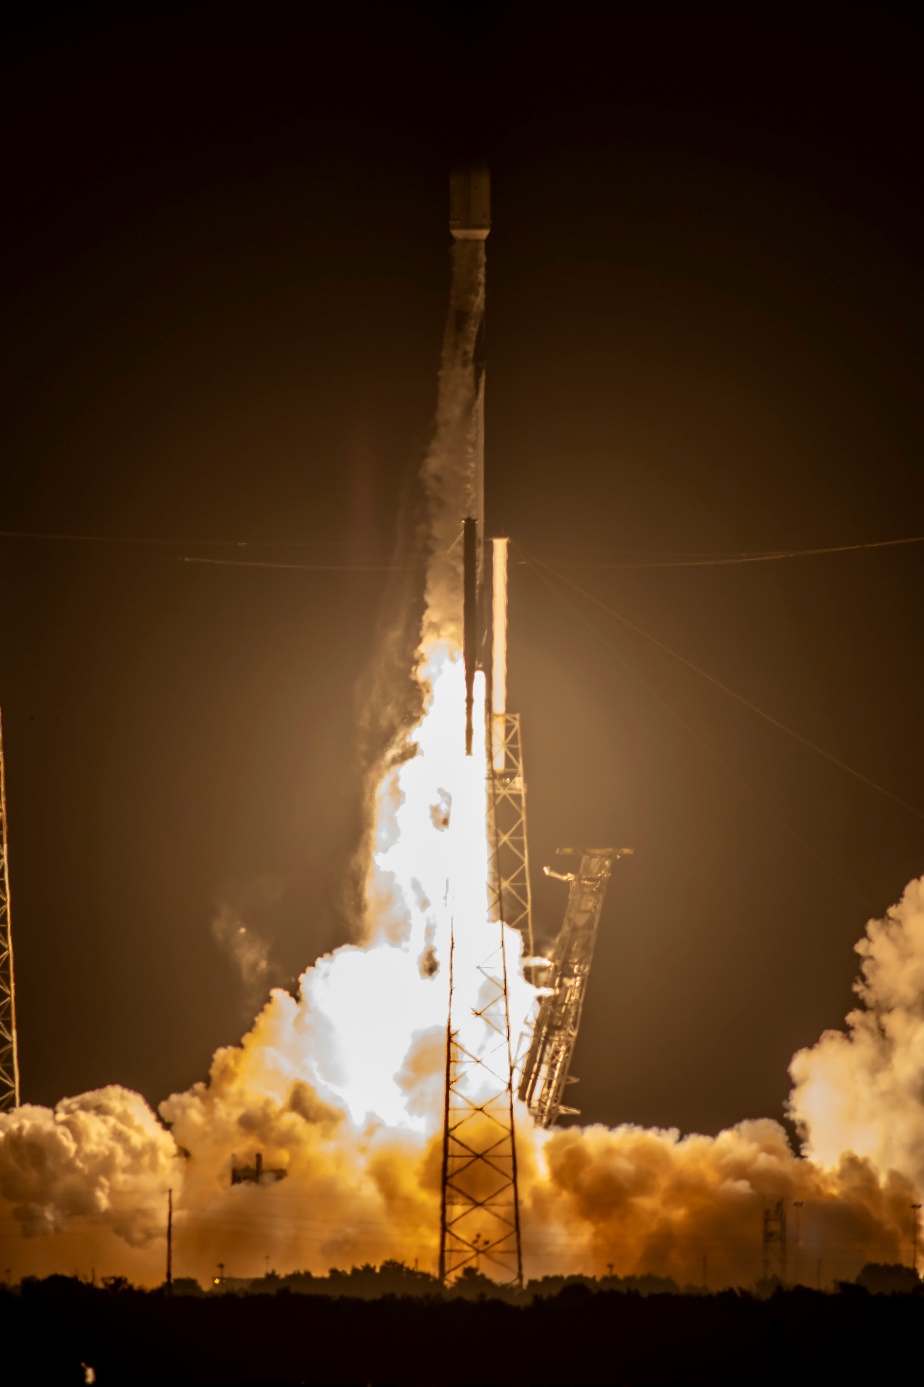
479 1215
9 1060
509 897
545 1072
773 1242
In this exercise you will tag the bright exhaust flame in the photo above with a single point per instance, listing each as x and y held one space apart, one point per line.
343 1086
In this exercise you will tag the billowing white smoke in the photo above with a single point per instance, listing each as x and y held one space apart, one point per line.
863 1090
658 1203
103 1155
341 1088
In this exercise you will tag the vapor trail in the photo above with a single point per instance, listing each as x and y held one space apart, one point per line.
340 1088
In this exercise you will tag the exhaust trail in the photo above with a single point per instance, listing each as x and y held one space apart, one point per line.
341 1086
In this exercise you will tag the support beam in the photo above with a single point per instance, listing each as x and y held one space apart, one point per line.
562 982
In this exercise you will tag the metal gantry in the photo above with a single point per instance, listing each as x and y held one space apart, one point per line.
509 897
479 1213
9 1058
480 1219
562 985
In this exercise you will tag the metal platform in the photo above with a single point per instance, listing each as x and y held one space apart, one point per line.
562 982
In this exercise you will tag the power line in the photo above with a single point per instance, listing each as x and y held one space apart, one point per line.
732 693
631 558
755 556
308 567
168 542
835 873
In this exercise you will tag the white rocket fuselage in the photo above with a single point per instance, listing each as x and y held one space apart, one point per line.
470 222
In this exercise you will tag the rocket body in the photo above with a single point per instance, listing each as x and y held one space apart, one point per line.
470 222
453 471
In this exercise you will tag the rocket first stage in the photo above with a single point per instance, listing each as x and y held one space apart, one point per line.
470 222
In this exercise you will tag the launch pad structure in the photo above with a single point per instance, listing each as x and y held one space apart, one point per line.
564 984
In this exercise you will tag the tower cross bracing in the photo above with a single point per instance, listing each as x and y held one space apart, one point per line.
509 890
479 1215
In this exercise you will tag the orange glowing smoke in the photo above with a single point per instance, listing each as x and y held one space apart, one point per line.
343 1087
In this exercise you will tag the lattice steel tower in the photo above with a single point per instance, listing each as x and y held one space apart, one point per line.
773 1242
9 1058
479 1214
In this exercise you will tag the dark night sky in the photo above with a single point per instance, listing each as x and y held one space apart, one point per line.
226 273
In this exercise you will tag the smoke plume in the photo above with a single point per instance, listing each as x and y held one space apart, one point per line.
103 1155
860 1090
246 947
339 1089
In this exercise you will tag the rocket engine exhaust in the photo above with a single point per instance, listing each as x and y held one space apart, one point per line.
342 1085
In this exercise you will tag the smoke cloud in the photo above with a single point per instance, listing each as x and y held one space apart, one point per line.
349 1106
860 1089
340 1088
103 1155
247 949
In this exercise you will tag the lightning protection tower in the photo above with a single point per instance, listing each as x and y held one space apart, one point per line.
9 1059
773 1242
479 1212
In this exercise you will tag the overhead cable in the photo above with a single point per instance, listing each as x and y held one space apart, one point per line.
836 874
757 556
732 693
308 567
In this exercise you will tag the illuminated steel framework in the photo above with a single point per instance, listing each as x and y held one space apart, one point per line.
479 1211
479 1214
564 978
9 1059
508 880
